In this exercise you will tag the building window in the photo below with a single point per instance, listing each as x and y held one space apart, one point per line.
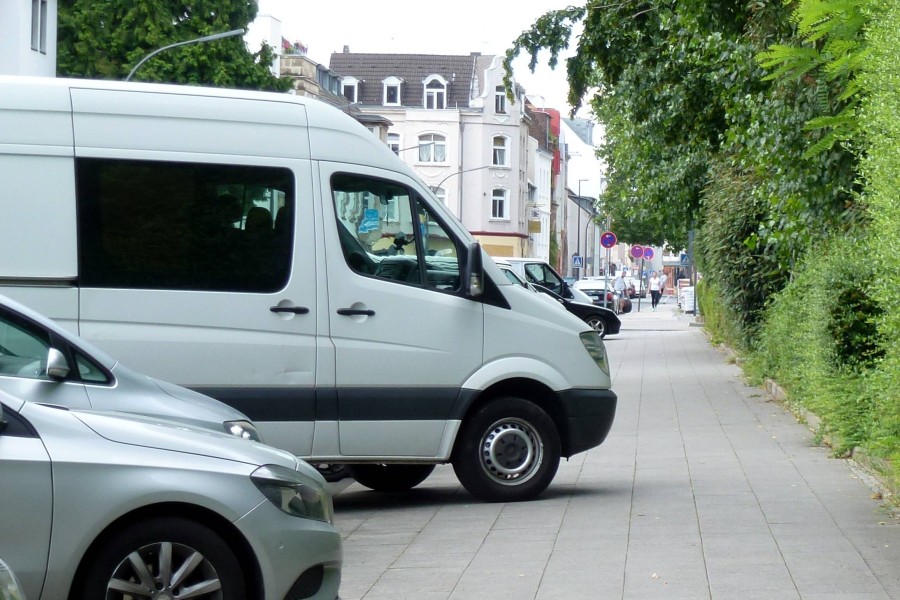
498 203
391 91
393 142
350 89
39 10
436 92
500 153
432 148
500 100
441 194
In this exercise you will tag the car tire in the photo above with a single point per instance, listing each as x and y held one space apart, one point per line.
333 472
390 478
138 557
597 323
507 451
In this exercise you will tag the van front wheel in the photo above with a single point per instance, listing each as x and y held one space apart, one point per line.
507 451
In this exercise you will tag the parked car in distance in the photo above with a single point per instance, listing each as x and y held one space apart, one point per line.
40 361
602 320
537 271
638 288
110 505
595 288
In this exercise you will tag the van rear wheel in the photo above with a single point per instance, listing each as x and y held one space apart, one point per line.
507 451
390 478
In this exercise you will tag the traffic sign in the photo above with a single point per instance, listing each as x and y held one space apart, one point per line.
577 261
685 259
648 253
608 239
637 251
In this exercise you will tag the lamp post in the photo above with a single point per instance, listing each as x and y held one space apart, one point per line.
435 188
206 38
578 231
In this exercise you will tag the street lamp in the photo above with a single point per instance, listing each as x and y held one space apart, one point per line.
206 38
578 231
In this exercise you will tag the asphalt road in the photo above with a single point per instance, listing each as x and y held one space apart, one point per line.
705 489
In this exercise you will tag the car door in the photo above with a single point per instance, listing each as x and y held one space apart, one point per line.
405 335
26 501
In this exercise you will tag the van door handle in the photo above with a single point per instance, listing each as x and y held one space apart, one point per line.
297 310
349 312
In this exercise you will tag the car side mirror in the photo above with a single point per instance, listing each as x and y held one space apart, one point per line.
57 365
473 275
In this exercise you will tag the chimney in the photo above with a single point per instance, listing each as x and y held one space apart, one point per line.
346 49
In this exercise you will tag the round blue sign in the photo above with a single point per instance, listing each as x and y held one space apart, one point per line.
637 251
648 253
608 239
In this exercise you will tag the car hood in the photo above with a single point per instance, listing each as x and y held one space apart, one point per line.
149 432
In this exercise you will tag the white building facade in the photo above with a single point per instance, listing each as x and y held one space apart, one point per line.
28 37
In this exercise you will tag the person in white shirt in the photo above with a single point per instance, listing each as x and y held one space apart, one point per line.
655 289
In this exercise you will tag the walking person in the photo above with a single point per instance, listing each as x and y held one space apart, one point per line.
655 289
662 283
619 288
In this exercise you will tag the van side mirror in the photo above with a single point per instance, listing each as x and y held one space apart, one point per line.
57 365
473 274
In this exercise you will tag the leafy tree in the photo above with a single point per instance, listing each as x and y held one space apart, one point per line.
106 39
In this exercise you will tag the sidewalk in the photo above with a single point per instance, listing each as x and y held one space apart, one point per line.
704 490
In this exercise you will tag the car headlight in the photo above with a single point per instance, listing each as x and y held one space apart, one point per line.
243 429
594 345
293 493
9 587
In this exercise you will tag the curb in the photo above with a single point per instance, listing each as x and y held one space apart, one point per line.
870 469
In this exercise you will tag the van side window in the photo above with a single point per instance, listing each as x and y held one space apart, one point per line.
184 226
387 231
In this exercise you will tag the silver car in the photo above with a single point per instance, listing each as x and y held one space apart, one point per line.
41 361
101 505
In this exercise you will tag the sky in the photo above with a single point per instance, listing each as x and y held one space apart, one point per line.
422 27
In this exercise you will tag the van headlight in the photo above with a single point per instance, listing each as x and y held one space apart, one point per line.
293 493
243 429
594 345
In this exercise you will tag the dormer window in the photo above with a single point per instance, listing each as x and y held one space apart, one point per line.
391 91
435 92
500 100
350 89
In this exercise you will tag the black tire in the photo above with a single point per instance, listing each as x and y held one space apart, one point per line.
111 574
390 478
333 472
597 323
528 440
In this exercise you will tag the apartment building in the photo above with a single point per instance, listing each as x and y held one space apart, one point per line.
454 125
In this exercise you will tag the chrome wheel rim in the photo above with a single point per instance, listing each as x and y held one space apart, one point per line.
511 451
165 571
597 324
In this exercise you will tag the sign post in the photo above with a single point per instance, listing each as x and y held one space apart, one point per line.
607 239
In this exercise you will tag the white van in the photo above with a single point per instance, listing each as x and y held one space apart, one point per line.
269 251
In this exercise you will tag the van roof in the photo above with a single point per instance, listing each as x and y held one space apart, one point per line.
45 93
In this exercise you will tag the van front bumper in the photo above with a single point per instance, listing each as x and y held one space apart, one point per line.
589 416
